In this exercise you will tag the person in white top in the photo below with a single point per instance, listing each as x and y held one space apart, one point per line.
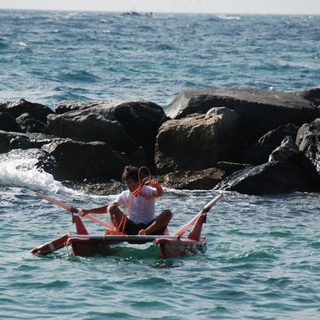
138 216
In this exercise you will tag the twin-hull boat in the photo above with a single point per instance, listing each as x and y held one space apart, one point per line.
170 246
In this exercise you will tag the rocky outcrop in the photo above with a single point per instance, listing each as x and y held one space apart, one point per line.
77 161
258 111
274 177
308 141
198 141
193 180
125 126
245 140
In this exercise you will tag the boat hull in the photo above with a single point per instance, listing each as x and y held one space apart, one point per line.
169 246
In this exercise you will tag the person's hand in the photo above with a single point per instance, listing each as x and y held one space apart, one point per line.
74 210
142 232
83 212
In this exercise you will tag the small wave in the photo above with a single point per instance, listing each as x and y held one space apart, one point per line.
19 169
226 17
79 76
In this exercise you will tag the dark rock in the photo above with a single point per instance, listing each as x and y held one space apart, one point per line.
308 140
16 140
35 110
77 161
286 149
259 111
258 152
30 124
269 178
193 180
197 142
231 167
312 95
88 126
8 122
139 122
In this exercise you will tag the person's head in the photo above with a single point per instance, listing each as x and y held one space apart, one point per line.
130 176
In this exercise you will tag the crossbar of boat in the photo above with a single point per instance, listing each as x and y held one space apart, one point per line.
124 238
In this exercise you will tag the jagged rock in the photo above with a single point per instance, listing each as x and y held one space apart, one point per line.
193 180
274 177
308 140
123 125
17 140
8 122
231 167
30 124
258 152
286 149
77 160
312 95
36 111
197 142
259 111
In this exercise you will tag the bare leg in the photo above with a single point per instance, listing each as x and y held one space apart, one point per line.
116 216
160 222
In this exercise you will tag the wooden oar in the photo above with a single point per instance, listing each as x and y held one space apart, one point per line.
205 209
69 208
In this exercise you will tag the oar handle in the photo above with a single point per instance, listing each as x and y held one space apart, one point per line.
210 204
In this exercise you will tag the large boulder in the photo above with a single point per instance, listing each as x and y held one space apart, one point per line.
258 152
32 112
274 177
124 125
312 95
77 161
193 180
18 140
198 141
259 111
308 140
8 122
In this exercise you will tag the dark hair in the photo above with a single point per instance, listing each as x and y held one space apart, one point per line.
130 172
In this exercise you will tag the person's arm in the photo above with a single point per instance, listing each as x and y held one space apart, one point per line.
99 210
159 191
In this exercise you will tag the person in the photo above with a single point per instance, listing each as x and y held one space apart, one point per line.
138 201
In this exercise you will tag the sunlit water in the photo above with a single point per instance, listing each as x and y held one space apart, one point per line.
263 256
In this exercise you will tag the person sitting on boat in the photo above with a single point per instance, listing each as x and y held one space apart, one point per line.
138 201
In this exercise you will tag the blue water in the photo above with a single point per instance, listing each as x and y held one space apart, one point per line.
263 257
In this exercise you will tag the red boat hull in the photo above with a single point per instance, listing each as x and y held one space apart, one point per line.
169 246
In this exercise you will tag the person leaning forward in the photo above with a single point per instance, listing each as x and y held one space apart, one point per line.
138 207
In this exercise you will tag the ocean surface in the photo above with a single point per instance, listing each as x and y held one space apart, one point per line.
263 256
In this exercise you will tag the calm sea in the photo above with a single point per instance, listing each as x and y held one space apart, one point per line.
263 257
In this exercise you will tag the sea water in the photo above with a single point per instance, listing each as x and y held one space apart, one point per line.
263 255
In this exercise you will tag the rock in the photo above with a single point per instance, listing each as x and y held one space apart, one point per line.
8 122
35 110
193 180
258 111
231 167
77 160
138 123
270 178
287 149
312 95
308 140
30 124
197 142
88 126
258 152
17 140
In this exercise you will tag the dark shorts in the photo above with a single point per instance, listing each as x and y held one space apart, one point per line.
134 228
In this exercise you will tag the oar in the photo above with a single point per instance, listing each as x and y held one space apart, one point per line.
69 208
205 209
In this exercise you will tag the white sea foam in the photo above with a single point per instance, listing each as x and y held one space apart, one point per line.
18 168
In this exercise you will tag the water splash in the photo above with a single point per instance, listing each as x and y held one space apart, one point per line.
19 169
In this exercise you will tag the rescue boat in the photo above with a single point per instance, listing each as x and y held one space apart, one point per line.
84 244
